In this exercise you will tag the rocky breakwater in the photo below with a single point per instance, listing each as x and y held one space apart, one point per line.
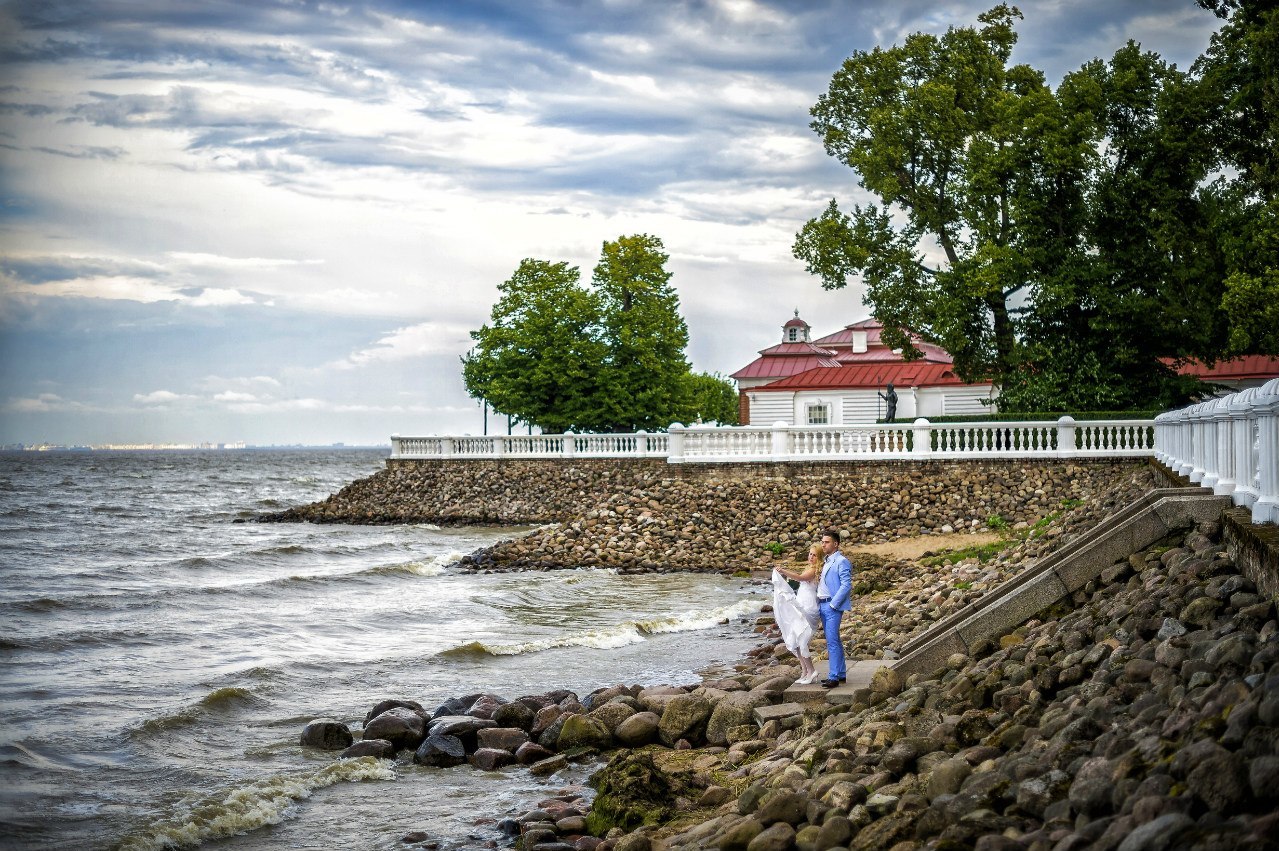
1146 717
647 515
545 732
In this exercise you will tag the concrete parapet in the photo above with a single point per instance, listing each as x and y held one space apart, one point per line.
1132 529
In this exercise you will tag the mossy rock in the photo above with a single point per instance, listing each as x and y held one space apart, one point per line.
631 790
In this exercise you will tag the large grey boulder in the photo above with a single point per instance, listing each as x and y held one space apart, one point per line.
380 748
440 751
733 710
685 717
463 727
326 734
612 714
393 703
402 727
638 730
501 738
583 731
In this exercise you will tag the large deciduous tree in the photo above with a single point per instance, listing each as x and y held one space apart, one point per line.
1240 74
1067 244
644 371
537 358
934 129
610 358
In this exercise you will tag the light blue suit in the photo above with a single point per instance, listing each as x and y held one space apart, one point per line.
836 584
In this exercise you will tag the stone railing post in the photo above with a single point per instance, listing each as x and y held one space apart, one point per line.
1066 437
1220 470
1241 445
448 447
675 444
570 445
923 437
641 443
396 449
499 446
1266 508
779 441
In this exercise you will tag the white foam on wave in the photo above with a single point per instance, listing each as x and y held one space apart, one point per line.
604 639
246 808
700 620
620 635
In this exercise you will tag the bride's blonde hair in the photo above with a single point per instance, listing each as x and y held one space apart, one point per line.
815 549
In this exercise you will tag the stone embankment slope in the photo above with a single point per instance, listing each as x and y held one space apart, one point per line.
639 515
1145 718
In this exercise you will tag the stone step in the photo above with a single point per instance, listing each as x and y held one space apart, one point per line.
859 675
764 714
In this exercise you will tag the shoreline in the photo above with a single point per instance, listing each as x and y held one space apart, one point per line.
937 758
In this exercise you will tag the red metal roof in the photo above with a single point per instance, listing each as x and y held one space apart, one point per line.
799 348
869 375
1246 367
876 350
779 367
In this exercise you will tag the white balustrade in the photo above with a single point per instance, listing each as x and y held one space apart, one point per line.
1229 444
784 442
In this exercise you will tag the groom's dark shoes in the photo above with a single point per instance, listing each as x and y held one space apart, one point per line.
830 683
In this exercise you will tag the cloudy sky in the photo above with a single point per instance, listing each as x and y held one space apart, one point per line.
277 221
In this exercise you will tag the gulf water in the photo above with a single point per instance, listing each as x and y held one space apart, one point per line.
158 660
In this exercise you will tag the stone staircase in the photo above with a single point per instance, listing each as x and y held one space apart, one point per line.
1138 525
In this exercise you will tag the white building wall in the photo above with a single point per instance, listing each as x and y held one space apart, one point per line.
955 401
860 407
768 408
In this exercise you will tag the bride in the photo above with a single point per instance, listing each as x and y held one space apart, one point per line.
796 611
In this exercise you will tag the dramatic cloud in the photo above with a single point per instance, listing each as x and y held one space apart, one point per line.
289 214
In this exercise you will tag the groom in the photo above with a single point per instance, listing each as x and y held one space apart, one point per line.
833 591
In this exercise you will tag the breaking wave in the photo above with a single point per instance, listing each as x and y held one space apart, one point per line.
221 700
245 808
620 635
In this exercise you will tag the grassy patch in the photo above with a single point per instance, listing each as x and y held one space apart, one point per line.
981 552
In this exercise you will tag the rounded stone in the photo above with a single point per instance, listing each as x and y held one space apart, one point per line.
326 734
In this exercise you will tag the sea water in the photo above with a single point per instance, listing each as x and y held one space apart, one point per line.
158 660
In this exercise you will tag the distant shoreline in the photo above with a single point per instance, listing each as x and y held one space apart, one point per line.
187 447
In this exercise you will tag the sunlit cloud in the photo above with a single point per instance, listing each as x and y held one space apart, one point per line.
220 298
162 397
43 404
414 341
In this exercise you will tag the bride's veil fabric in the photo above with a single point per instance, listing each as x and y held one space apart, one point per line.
795 619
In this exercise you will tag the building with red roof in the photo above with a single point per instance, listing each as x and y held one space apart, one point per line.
843 378
1235 374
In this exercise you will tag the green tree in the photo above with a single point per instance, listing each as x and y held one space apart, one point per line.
1238 73
934 129
644 373
1045 238
1137 276
713 399
559 356
537 359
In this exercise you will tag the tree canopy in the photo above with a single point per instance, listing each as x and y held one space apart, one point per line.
610 358
1068 244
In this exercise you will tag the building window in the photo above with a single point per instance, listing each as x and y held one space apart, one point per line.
819 414
793 334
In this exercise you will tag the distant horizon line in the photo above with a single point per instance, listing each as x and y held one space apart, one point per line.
179 447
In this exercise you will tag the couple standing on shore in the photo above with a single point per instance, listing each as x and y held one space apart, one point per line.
825 586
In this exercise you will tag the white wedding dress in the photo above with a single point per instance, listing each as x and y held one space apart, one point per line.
795 613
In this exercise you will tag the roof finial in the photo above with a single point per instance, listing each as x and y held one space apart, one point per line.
797 313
